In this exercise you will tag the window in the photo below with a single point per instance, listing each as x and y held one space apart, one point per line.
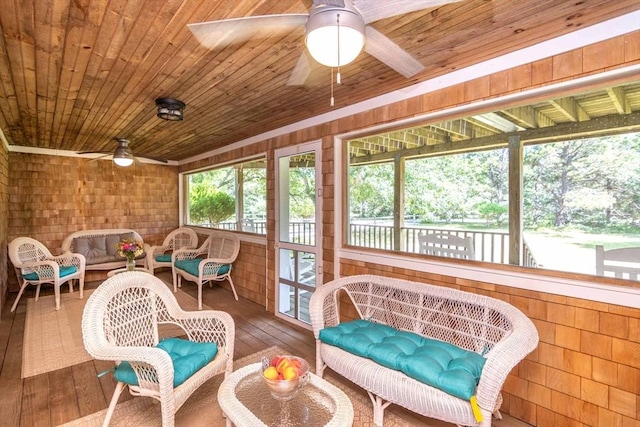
554 180
229 198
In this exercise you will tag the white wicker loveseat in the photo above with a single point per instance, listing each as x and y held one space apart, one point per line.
485 326
99 247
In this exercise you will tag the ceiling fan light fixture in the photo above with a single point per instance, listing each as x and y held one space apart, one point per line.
170 109
334 37
123 155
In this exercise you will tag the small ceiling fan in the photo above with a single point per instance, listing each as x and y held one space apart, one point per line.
335 33
122 156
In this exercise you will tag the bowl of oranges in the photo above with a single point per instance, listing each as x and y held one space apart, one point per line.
285 375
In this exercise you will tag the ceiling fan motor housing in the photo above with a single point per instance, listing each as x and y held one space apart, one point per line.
334 35
123 155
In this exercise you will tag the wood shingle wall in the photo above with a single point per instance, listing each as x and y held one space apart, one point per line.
52 196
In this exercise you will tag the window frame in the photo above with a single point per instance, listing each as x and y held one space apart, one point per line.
577 285
184 196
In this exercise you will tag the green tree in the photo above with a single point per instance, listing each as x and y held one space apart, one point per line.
371 190
210 205
493 212
302 191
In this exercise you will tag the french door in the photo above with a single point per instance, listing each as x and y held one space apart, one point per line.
298 230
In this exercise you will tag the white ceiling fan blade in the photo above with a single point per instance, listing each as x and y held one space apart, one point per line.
376 10
338 3
301 71
380 46
226 32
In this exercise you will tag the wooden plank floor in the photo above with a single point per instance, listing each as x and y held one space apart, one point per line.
67 394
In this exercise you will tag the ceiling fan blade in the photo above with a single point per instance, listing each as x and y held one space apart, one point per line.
376 10
227 32
155 159
94 152
380 46
301 71
338 3
93 159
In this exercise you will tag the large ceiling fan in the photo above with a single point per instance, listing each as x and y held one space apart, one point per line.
335 32
122 156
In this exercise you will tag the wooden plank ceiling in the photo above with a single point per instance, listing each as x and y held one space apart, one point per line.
76 74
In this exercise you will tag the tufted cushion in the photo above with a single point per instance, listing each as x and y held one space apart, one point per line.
188 357
439 364
93 248
163 258
191 266
64 271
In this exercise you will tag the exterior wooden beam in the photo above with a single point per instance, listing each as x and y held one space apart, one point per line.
398 201
516 150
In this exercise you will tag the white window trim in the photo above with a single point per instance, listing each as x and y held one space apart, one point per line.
252 238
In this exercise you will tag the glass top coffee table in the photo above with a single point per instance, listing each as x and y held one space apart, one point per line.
124 270
246 401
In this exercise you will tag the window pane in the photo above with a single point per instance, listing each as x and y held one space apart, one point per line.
580 194
229 198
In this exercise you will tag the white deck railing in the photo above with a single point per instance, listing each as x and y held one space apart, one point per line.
489 246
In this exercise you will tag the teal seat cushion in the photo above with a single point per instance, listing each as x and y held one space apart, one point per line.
163 258
191 266
188 357
64 271
452 369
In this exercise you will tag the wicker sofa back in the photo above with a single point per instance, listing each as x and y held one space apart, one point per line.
99 247
498 331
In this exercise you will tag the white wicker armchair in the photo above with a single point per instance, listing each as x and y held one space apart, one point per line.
35 265
120 323
211 262
160 256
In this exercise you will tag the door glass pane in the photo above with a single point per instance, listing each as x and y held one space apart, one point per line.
298 199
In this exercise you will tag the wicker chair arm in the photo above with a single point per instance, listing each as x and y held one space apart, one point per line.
208 326
68 259
188 253
45 269
140 359
156 249
209 267
323 307
502 358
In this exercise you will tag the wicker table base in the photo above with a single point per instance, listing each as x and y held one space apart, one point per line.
246 401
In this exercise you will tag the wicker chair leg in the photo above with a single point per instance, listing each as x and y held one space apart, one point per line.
199 295
379 406
56 291
233 288
113 403
22 288
38 286
81 286
486 418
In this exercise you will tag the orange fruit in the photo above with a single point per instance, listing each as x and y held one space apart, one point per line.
290 373
275 361
270 373
283 364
